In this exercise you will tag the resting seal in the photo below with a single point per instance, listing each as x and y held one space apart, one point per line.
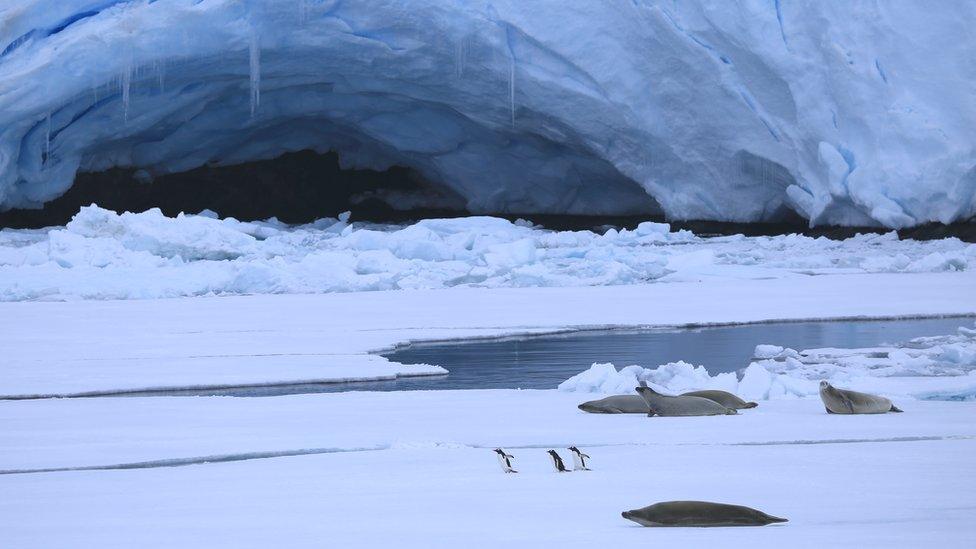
842 401
724 398
634 404
617 404
699 513
663 405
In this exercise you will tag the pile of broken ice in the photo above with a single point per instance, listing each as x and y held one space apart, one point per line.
932 368
104 255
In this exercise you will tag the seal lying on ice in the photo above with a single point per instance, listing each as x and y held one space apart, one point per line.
842 401
699 513
664 405
722 397
617 404
634 404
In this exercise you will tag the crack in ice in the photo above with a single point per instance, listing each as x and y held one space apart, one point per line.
247 456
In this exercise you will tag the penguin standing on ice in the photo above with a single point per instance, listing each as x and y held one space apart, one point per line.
557 462
579 459
505 460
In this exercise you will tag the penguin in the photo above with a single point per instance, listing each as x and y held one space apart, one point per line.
579 459
557 462
505 460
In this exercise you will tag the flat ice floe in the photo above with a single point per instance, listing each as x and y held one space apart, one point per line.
932 368
128 345
417 470
104 255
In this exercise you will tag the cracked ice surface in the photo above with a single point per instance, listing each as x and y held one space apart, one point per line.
104 255
844 112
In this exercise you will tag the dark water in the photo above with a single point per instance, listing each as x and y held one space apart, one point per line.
543 362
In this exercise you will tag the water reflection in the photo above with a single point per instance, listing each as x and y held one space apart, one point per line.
543 362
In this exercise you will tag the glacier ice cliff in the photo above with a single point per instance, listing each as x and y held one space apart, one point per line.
844 112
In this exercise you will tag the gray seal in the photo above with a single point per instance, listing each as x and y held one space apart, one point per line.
842 401
700 514
664 405
634 404
723 397
617 404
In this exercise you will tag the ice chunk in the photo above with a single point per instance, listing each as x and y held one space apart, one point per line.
648 228
767 351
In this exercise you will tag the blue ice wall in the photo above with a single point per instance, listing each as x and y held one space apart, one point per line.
853 112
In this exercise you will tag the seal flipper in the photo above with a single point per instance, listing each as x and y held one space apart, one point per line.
895 409
849 404
751 405
828 410
641 390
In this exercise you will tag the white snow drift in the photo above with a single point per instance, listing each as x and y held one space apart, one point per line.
932 368
844 112
101 254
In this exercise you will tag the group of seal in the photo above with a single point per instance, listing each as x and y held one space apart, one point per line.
715 402
700 514
650 402
579 460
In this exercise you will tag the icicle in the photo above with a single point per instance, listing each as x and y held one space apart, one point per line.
255 73
47 139
511 89
459 55
126 85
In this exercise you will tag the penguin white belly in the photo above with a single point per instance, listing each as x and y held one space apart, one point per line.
505 464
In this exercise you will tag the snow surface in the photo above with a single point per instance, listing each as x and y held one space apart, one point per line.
844 112
416 469
104 255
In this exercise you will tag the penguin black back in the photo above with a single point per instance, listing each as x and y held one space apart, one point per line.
557 462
